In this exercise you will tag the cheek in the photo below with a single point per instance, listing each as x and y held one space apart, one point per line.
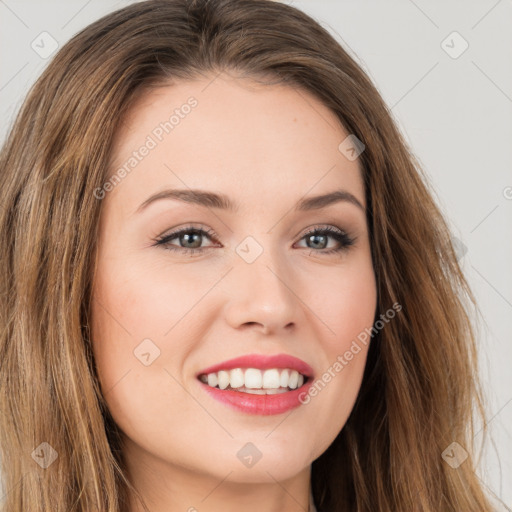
142 299
139 304
138 299
126 325
346 304
130 314
346 309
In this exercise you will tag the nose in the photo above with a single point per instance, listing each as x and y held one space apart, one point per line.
261 297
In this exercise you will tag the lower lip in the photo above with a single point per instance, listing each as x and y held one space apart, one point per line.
263 405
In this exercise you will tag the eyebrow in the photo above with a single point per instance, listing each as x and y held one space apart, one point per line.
223 202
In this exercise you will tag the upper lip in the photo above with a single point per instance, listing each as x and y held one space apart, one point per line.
262 362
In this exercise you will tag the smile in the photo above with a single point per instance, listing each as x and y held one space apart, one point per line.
253 380
258 384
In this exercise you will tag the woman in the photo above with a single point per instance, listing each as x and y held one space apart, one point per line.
315 354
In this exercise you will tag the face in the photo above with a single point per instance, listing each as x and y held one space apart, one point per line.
184 285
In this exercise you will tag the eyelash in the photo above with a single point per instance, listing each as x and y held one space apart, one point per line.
345 240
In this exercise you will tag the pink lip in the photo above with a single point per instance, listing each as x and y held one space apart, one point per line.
262 362
260 404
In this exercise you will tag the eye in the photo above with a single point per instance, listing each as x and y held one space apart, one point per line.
318 237
190 238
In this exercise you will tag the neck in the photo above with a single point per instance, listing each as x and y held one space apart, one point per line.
166 487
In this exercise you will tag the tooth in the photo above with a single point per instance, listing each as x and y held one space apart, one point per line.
223 378
271 379
253 378
293 380
212 379
236 378
256 391
276 391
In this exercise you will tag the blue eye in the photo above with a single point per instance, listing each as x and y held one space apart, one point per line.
344 240
193 237
187 235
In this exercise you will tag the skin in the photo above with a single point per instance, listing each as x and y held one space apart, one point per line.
265 147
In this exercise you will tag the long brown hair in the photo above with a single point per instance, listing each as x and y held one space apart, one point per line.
420 386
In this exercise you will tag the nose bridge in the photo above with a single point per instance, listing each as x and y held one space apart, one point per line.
263 294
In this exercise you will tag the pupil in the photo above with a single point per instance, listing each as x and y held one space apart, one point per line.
187 238
315 238
198 240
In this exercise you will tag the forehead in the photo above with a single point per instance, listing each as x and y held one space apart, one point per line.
256 143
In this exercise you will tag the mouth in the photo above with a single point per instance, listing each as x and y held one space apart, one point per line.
255 381
258 384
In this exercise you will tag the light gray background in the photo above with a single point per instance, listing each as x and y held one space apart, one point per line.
456 114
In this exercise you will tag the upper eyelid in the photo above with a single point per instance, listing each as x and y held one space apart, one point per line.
209 233
177 232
